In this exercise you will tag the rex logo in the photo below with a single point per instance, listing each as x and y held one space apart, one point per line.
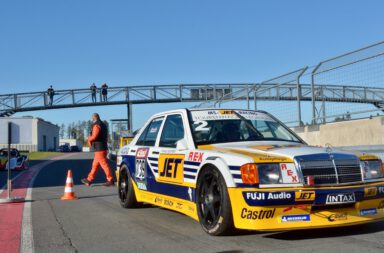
288 171
171 168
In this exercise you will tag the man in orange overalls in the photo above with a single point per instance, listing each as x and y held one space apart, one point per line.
98 140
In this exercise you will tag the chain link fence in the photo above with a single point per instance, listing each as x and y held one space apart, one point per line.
360 73
341 88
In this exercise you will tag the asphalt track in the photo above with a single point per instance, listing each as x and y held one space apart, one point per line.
96 223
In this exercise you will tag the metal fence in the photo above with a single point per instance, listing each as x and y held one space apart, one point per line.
340 88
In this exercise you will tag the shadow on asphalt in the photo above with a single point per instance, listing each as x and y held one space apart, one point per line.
55 174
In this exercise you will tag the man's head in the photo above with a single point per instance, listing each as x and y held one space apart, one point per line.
50 86
95 117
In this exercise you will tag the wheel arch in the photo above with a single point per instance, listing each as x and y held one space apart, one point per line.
221 166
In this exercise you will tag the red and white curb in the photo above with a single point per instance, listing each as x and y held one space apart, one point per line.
16 234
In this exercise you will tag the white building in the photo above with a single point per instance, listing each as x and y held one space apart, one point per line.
28 133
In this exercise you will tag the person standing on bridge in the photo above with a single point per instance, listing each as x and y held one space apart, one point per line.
98 140
50 93
104 92
93 92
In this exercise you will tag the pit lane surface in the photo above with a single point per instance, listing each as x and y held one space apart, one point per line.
97 223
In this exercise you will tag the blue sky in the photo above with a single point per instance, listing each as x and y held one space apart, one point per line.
71 44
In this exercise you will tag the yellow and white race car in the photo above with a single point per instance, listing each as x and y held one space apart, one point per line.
241 169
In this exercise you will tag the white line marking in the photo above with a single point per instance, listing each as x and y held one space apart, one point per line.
27 244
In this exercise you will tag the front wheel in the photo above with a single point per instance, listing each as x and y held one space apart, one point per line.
126 190
213 204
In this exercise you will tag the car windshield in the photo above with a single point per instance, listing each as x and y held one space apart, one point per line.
220 126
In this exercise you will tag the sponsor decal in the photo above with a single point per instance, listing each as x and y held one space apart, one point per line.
168 202
381 205
340 198
142 153
370 192
381 190
158 200
305 196
171 168
179 205
253 198
141 186
195 156
288 172
296 218
228 114
257 214
337 217
301 207
369 211
140 168
268 195
273 147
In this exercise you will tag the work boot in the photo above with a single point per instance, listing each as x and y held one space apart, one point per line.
86 182
109 183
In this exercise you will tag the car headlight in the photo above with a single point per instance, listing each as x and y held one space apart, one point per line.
252 173
372 169
269 173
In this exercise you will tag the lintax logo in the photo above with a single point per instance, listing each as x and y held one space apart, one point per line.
340 198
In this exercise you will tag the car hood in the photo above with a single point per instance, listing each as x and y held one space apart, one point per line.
278 149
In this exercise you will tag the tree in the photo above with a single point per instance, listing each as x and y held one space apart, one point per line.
62 130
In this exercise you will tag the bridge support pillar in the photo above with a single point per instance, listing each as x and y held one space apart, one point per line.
129 119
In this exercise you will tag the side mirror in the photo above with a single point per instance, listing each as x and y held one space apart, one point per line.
181 145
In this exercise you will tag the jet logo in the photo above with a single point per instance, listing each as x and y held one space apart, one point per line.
171 168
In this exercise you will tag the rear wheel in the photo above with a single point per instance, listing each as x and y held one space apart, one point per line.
213 204
126 191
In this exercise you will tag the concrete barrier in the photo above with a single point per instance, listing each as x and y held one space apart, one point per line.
366 132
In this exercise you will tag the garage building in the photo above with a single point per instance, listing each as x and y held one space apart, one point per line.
28 133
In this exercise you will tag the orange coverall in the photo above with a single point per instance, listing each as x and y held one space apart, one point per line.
99 158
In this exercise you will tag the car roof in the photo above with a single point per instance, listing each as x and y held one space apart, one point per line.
200 109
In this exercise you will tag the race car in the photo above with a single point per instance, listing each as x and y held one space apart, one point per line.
18 161
235 169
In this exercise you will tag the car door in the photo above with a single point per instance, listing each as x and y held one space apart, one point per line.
143 150
170 161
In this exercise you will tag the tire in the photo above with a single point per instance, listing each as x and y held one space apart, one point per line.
126 191
213 205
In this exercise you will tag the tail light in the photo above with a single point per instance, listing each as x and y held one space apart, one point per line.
249 173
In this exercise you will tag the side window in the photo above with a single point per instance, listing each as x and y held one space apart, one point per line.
173 131
149 135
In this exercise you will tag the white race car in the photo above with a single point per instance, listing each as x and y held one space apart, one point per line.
18 161
244 169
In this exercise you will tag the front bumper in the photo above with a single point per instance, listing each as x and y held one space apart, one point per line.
303 208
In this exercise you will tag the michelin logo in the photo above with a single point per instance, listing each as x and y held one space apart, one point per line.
296 218
370 211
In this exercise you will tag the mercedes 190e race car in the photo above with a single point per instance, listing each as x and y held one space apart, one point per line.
244 169
18 161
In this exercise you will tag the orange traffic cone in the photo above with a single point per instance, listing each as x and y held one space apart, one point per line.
69 194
